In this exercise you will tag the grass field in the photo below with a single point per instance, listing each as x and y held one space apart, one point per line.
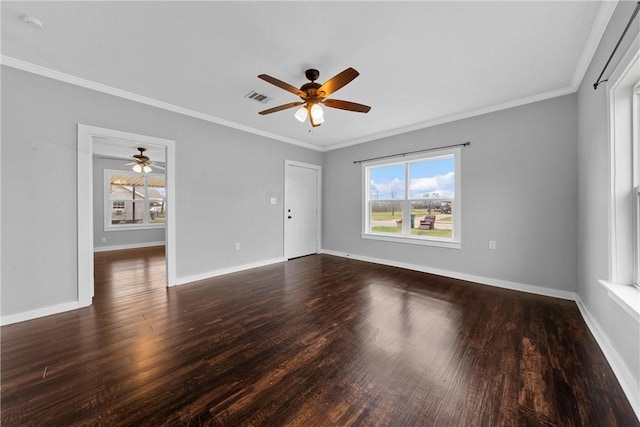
419 213
414 231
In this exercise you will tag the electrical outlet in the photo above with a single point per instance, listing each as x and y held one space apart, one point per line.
492 244
237 246
274 200
103 239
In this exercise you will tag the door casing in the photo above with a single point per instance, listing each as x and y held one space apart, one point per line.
287 165
85 204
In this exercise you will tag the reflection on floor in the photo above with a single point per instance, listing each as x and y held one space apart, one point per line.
128 272
316 341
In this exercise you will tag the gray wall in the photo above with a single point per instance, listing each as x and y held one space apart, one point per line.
224 179
118 237
593 158
519 188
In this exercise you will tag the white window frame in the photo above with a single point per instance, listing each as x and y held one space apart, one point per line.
636 182
624 205
455 242
146 225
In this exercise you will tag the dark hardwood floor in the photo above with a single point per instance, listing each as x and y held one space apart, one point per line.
128 272
316 341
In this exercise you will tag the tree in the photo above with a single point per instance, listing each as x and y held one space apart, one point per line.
431 203
394 194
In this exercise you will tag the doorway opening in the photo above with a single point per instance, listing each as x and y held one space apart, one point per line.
126 216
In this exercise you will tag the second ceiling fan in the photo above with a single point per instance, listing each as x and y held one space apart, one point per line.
314 94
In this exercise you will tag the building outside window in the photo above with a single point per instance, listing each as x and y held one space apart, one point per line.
133 200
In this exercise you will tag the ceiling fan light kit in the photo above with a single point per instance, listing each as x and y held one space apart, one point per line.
314 94
141 162
301 114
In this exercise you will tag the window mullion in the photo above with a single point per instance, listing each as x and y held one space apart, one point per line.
406 204
145 213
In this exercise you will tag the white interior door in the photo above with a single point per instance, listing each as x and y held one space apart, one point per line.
301 226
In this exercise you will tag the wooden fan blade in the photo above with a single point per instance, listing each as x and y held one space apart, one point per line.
281 107
346 105
337 82
283 85
132 163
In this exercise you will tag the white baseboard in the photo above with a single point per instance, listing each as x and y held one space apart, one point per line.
228 270
622 373
39 312
127 246
61 308
625 378
539 290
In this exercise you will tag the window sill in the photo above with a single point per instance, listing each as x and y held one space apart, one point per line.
134 227
626 296
414 241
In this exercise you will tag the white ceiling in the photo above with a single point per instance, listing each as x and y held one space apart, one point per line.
420 63
120 149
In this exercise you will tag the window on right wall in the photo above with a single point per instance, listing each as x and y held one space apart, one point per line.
636 180
623 91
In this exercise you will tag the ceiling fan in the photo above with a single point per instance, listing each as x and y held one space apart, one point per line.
141 162
314 94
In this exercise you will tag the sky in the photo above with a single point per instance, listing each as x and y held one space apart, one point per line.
431 178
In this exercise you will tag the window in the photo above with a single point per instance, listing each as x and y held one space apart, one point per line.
636 181
133 201
415 200
624 174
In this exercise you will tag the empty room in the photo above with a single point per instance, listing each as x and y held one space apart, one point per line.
320 213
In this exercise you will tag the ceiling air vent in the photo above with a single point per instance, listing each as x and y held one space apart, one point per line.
259 97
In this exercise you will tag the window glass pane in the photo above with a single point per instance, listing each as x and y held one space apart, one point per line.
385 217
432 178
126 187
155 193
387 182
156 188
433 218
157 213
127 212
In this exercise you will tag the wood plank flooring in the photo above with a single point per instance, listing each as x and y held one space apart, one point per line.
128 272
316 341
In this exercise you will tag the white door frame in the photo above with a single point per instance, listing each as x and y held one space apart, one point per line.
85 204
318 170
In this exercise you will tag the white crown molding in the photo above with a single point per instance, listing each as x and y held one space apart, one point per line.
110 90
99 87
597 31
598 28
456 117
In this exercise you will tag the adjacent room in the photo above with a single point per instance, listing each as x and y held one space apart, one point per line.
320 213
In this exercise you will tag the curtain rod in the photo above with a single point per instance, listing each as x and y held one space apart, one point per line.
633 16
465 144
